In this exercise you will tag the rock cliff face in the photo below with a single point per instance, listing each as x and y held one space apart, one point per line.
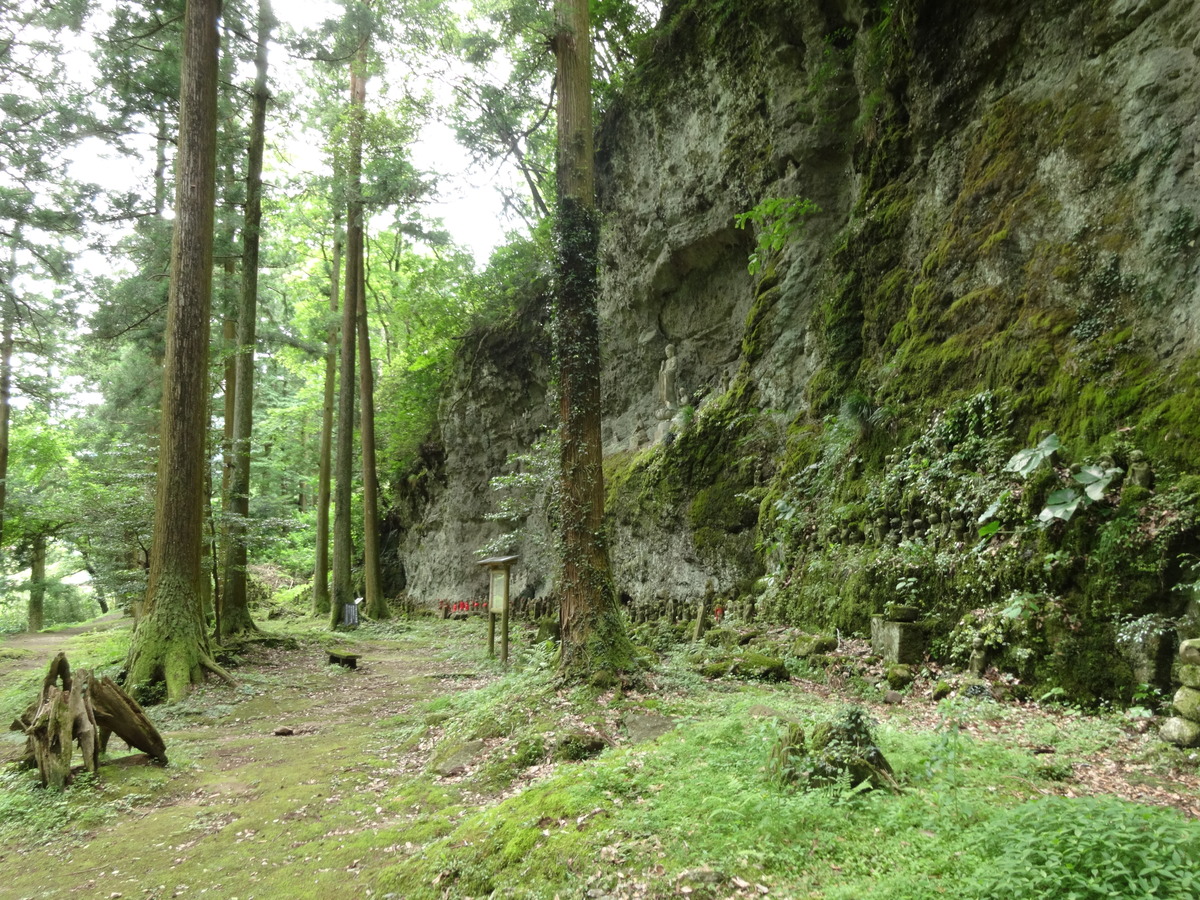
1006 246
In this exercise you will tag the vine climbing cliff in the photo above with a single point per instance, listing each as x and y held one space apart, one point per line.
1004 248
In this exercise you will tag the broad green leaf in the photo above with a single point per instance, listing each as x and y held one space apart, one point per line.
1061 504
993 509
1024 462
1096 480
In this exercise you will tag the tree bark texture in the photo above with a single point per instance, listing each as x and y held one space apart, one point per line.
169 644
593 635
8 316
235 612
37 583
376 603
343 545
229 343
321 564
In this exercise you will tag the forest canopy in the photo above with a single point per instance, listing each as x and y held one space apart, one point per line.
452 185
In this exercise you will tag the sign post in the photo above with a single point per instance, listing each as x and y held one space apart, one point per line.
498 568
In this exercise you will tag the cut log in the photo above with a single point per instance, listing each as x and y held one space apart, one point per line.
117 712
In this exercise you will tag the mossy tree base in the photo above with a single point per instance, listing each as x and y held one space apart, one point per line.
169 647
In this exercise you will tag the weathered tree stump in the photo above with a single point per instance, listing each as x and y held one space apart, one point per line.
120 714
51 738
84 711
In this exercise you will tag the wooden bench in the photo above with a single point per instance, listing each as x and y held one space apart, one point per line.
348 660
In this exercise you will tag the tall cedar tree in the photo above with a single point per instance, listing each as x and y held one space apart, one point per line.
8 315
235 608
377 606
343 545
169 644
320 599
593 634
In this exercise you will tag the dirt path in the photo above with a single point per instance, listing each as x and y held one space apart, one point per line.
31 650
243 812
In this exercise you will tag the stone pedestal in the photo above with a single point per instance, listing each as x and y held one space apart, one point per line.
897 642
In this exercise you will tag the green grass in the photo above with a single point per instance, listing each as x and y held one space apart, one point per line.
353 803
698 801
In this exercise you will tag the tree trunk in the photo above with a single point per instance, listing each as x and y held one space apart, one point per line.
321 565
160 163
376 603
229 343
8 316
593 634
235 612
37 583
169 644
343 548
97 588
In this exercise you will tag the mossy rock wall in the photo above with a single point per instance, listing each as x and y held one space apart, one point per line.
1007 247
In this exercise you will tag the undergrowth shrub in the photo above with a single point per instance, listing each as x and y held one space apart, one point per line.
1087 849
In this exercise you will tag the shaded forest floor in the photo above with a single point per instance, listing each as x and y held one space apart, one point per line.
430 772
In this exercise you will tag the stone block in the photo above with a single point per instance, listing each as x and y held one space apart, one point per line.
1189 676
899 676
897 642
1187 703
1180 732
1189 652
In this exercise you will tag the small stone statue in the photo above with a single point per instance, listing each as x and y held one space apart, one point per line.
979 658
1140 473
668 394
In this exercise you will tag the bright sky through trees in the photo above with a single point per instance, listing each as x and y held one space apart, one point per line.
466 201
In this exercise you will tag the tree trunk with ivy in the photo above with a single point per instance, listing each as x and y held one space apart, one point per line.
170 646
235 605
593 633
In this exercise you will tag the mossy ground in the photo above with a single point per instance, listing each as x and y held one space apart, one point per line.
350 805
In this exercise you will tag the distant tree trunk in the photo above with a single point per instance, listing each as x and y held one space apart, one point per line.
235 611
321 565
37 583
376 603
593 634
208 557
169 644
97 588
302 480
8 316
343 546
160 163
229 344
